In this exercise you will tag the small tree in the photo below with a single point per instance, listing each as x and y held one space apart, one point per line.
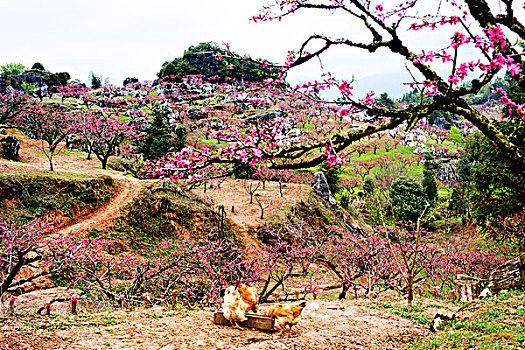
250 188
96 80
104 133
408 255
510 230
455 135
460 200
159 140
369 186
429 180
385 101
12 104
49 123
22 245
333 177
262 207
408 199
429 185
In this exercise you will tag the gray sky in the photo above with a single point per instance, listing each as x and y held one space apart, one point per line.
121 38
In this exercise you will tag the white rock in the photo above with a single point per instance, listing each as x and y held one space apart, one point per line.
485 293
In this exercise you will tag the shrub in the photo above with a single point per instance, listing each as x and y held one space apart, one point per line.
119 164
345 200
159 140
96 80
509 230
429 185
369 186
408 199
333 177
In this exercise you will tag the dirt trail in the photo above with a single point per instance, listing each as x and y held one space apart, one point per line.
231 194
104 217
32 160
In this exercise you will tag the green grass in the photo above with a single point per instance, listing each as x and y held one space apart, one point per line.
414 315
498 323
39 195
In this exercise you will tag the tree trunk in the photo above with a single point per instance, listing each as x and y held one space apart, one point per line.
12 274
342 295
467 288
89 153
410 287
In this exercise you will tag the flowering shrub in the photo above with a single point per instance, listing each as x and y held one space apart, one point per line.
509 230
20 246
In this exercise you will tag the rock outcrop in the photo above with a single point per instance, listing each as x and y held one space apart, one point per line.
322 188
9 146
510 274
441 319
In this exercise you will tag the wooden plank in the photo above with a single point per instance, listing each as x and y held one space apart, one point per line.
254 321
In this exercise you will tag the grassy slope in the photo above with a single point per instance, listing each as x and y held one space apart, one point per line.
58 196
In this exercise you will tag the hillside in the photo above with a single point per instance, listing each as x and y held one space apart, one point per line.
148 258
161 327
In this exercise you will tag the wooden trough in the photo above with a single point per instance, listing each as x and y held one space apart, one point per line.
254 321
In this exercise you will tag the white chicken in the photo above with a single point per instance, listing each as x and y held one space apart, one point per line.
233 307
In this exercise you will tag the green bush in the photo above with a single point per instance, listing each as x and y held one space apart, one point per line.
498 186
429 185
119 164
10 69
345 200
408 199
369 186
333 177
455 135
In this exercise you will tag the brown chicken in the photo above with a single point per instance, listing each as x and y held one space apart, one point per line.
287 315
249 296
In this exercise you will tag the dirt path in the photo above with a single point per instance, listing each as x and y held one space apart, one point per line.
326 324
231 194
104 217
